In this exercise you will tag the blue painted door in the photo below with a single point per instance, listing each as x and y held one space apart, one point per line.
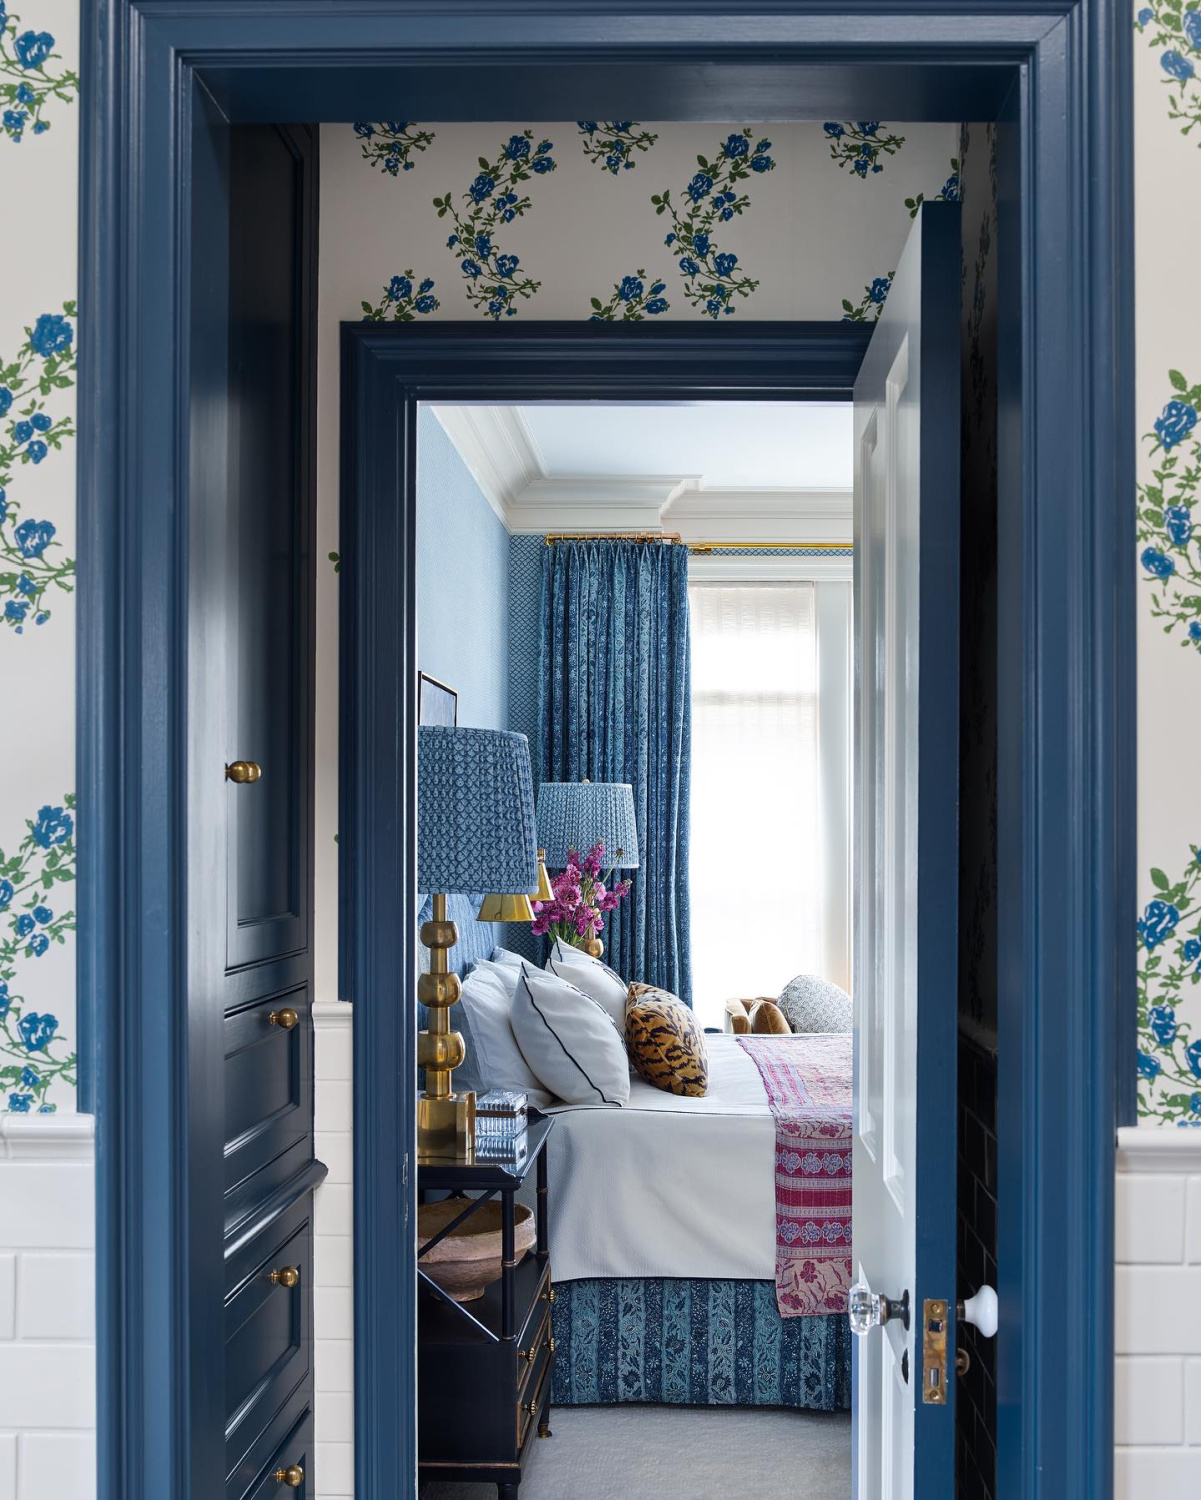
906 875
250 795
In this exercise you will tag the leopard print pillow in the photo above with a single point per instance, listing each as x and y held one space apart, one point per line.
665 1043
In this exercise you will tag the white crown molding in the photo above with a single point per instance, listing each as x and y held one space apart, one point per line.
586 504
56 1137
498 449
502 456
798 567
696 504
1159 1148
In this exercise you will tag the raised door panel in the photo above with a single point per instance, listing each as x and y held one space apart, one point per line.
270 637
267 1327
268 1084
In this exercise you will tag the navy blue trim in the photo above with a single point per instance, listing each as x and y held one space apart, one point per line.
1066 674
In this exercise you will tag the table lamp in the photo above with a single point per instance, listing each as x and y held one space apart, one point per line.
475 832
575 815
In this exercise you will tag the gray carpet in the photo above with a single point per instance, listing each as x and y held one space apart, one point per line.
681 1453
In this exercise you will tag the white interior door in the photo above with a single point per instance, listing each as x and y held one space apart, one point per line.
906 874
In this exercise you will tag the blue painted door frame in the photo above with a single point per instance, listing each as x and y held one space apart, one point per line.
1057 75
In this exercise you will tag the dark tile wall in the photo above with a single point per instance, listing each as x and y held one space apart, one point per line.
976 1411
977 1239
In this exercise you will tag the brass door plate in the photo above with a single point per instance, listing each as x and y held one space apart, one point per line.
934 1351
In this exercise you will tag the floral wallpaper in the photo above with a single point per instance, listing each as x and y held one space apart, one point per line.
38 152
1168 394
613 220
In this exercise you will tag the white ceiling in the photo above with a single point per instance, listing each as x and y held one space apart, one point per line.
709 471
721 445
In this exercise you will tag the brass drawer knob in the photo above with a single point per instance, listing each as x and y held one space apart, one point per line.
531 1407
243 771
285 1019
529 1355
550 1344
287 1276
549 1294
292 1476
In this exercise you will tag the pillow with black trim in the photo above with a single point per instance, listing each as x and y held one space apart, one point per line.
569 1040
665 1042
590 975
482 1016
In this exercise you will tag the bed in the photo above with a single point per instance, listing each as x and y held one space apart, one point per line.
663 1229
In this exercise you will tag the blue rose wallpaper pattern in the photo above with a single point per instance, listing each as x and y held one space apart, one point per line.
1173 30
35 913
1169 1005
33 429
494 198
697 265
1169 544
32 79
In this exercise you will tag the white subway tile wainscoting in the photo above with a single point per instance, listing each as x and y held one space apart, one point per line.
47 1308
1158 1287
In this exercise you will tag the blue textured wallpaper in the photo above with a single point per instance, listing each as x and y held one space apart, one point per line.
462 582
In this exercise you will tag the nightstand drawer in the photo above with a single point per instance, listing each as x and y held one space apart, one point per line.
531 1352
530 1408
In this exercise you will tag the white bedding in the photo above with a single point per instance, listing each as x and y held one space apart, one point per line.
667 1186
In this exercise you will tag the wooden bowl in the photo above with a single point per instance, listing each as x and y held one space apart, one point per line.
468 1261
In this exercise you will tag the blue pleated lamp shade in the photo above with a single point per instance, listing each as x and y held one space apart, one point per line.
475 812
576 814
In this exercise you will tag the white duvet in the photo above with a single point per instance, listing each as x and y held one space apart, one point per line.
667 1186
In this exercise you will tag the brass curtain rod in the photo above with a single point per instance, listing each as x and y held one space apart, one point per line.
767 546
699 548
612 536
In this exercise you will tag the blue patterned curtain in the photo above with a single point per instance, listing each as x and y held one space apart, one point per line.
615 705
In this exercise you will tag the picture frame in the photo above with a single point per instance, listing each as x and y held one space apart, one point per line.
436 703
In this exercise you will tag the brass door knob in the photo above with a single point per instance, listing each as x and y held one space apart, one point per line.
287 1276
292 1476
285 1019
243 770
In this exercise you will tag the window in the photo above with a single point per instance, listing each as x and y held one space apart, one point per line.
770 772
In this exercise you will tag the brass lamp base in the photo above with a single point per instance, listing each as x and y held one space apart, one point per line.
446 1128
593 947
445 1121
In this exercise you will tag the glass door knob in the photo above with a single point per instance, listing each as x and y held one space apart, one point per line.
867 1309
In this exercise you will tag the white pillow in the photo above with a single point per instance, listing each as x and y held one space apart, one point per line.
486 1003
569 1040
593 977
509 959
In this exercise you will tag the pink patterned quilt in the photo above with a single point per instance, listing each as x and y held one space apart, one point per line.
808 1084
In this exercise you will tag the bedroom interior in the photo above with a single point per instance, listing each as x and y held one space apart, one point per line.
667 619
652 593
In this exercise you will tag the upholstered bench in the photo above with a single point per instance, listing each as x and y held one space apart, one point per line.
807 1003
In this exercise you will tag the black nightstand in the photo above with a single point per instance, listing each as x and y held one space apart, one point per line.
484 1368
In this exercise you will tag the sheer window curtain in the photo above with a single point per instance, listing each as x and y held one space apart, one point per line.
756 862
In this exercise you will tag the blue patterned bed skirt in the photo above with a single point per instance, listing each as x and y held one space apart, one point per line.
695 1343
